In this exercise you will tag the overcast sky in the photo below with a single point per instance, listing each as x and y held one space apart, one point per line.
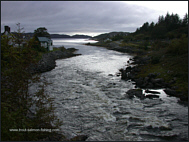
86 17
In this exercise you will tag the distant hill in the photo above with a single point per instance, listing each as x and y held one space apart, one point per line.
68 36
57 35
109 35
81 36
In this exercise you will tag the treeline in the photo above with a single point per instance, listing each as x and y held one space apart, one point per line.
168 27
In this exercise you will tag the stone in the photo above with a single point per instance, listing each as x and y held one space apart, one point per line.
157 80
139 82
128 69
146 79
152 75
170 92
123 74
150 86
135 92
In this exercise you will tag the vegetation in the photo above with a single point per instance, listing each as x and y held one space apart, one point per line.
19 34
21 111
170 62
169 49
166 27
41 32
165 42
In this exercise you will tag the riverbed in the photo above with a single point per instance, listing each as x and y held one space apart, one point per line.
90 99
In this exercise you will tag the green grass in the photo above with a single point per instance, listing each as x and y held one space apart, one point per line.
134 45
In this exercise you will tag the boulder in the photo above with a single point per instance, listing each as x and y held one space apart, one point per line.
128 69
170 92
150 85
157 80
139 82
152 75
123 74
135 92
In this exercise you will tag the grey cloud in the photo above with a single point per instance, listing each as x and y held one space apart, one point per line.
70 16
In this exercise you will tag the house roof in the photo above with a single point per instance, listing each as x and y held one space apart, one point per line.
43 39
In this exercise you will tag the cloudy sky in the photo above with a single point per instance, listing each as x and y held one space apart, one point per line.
86 17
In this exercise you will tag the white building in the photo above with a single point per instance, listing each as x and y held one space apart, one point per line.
46 43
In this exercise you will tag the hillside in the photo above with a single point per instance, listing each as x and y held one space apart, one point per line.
109 35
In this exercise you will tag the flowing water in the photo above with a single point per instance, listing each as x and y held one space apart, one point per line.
90 100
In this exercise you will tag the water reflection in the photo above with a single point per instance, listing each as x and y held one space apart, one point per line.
66 41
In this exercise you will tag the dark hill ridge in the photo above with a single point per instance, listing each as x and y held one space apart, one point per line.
110 35
68 36
57 35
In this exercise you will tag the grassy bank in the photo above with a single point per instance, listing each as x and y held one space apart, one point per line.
171 63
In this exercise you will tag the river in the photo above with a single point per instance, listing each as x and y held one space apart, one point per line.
90 99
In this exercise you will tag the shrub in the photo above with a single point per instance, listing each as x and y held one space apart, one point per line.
178 46
155 60
35 45
62 48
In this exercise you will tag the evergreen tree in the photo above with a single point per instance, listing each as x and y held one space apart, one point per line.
161 19
41 32
152 25
185 20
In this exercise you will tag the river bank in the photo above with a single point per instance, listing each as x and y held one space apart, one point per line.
151 69
47 62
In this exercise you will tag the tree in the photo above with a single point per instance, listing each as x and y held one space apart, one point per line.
19 35
167 18
41 32
35 45
174 22
161 19
145 26
151 26
185 20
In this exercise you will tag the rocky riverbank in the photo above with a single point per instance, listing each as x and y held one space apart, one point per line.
152 80
148 80
47 61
